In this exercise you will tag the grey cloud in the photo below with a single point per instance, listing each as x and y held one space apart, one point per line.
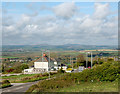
51 30
101 10
7 21
65 10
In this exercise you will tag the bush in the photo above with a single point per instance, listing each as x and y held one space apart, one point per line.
24 66
17 70
61 71
10 70
5 82
52 73
45 74
20 68
104 72
33 87
54 83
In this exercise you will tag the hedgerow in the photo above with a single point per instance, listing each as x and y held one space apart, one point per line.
108 71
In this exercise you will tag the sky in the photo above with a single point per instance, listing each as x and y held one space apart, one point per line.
59 23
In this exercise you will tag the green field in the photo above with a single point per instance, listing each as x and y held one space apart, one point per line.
54 54
92 87
8 57
18 76
23 78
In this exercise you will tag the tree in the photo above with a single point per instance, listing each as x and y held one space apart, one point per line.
10 70
61 70
80 60
24 66
18 69
3 68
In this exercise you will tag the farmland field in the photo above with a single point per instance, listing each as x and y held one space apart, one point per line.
8 57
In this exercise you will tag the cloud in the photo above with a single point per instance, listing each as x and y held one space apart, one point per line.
87 29
101 10
25 18
65 10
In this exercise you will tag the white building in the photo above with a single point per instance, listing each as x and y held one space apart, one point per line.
30 70
41 65
64 67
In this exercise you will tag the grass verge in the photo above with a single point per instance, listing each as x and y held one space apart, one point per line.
91 87
27 77
5 85
29 80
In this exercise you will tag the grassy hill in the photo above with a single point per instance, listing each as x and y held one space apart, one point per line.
55 47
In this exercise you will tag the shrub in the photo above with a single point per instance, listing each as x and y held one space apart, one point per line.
104 72
52 73
61 71
39 75
5 82
10 70
52 84
24 66
45 74
17 70
33 87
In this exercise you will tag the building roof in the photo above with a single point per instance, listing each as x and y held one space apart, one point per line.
45 58
40 60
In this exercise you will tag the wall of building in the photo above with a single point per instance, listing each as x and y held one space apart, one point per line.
28 70
43 65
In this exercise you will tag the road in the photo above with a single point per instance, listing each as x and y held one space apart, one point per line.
10 74
18 87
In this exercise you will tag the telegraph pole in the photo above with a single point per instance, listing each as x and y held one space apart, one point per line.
72 63
91 59
49 64
86 59
48 61
76 62
70 59
42 55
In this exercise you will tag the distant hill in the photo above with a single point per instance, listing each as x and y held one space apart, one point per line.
55 47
